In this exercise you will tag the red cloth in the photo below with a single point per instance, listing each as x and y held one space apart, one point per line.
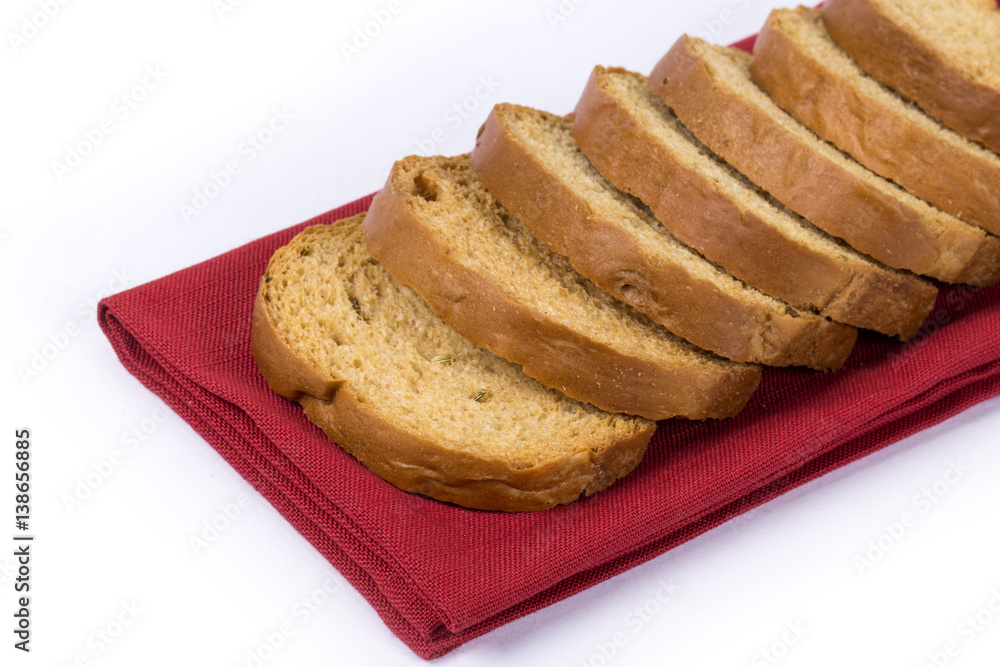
440 575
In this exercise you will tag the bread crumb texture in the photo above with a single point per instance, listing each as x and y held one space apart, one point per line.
337 308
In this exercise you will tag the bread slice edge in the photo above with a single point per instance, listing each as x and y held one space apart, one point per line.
424 466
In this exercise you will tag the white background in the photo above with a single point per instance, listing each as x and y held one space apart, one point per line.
116 220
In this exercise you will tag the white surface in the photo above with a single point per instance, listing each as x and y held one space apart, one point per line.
116 221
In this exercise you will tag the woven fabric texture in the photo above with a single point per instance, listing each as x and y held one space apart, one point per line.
440 575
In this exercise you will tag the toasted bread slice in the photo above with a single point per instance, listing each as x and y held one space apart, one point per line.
807 74
532 165
638 144
414 401
941 54
710 89
436 228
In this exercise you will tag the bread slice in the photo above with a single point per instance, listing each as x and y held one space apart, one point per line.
807 74
532 165
436 228
710 89
942 54
415 402
637 143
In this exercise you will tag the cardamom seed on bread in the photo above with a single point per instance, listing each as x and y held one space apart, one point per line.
414 401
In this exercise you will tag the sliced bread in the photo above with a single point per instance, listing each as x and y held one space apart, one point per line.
942 54
436 228
530 163
710 89
638 144
414 401
807 74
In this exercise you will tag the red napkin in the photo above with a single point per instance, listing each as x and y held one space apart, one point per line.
440 575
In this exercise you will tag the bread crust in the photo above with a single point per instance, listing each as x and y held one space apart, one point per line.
786 165
287 375
555 355
423 466
690 307
908 63
962 184
690 205
420 465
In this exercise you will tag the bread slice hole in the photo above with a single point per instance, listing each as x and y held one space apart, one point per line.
356 305
424 188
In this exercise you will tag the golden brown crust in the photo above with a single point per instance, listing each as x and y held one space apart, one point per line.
965 184
694 209
286 374
550 352
819 187
420 465
905 62
695 309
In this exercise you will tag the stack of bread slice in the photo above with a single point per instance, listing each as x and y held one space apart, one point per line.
503 329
